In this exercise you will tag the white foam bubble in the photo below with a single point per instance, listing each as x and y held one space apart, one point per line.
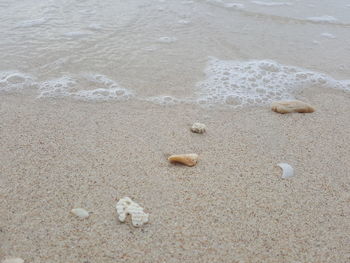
256 82
234 5
188 2
150 48
103 94
76 34
272 3
34 22
167 40
94 27
87 12
14 81
328 35
93 87
59 87
227 4
347 85
184 22
325 18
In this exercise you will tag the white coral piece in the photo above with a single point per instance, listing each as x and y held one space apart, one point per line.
126 206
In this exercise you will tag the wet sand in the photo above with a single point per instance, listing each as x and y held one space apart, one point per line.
233 206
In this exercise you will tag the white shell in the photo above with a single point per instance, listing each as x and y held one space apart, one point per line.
288 170
198 127
13 260
126 206
80 212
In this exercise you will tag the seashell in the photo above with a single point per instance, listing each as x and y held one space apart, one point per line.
13 260
198 127
186 159
80 212
126 206
288 170
291 106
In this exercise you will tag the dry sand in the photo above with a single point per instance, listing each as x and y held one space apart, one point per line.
233 206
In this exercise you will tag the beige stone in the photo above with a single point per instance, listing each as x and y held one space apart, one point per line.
186 159
291 106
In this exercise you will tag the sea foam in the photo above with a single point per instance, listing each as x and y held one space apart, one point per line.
328 35
234 5
272 3
257 82
167 40
14 81
34 22
92 87
227 4
324 19
226 82
76 34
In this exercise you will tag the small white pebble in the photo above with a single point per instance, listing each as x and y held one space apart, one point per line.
198 127
13 260
80 212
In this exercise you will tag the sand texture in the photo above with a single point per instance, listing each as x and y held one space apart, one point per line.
233 206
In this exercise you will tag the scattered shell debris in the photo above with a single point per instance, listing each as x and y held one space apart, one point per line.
198 127
80 212
288 170
289 106
186 159
13 260
126 206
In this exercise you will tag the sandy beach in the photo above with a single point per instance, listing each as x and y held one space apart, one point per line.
96 95
232 207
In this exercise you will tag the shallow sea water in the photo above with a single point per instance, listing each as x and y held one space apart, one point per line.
207 52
